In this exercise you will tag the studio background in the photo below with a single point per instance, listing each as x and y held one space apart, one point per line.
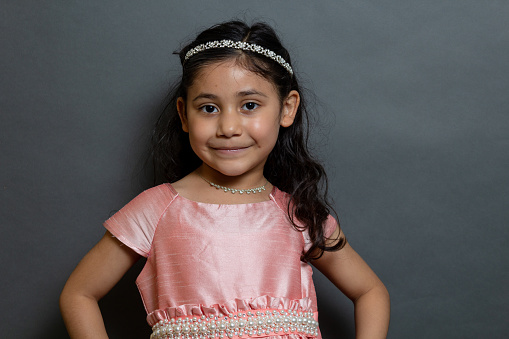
414 135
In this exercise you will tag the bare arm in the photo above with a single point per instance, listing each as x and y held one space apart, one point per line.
346 269
94 276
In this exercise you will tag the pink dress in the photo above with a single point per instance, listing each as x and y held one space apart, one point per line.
215 271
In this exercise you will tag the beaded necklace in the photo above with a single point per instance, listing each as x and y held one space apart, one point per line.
235 190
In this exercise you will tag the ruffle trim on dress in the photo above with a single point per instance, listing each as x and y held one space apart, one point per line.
261 317
233 306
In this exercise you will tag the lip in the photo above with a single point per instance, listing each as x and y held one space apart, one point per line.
230 150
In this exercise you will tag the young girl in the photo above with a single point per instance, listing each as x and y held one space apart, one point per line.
228 243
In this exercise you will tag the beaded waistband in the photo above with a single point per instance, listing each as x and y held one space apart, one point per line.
250 324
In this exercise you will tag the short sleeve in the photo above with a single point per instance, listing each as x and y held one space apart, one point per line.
330 226
135 224
328 229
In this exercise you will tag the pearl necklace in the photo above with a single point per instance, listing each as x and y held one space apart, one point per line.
234 190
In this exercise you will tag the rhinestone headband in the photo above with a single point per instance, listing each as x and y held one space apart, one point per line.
245 46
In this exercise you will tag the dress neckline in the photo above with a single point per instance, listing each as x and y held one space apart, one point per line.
271 198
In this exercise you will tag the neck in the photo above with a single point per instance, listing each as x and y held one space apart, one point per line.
244 181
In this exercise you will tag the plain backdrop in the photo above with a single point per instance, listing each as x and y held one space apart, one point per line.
413 131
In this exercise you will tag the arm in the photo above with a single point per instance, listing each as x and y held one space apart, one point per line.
346 269
94 276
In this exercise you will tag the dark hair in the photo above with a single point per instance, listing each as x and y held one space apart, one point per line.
290 167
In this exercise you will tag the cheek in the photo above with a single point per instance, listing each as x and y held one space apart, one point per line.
265 131
198 135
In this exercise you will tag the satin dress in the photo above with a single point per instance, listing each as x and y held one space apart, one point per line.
218 270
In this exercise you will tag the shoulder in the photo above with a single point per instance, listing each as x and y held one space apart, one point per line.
282 199
154 199
189 186
285 204
161 193
136 222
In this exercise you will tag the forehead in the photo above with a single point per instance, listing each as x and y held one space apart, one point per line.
230 76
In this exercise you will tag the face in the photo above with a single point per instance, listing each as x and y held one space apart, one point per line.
233 118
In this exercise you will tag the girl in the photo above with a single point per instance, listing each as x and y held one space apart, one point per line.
229 241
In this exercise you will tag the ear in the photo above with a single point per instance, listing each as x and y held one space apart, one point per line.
181 108
289 109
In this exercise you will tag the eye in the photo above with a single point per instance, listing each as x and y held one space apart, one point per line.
249 106
209 109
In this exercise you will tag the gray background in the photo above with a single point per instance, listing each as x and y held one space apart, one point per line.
414 135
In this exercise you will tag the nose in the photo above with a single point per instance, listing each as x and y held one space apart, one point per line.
229 123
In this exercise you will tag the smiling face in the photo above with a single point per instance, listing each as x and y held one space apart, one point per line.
233 118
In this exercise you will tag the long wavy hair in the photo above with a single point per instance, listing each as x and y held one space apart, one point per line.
290 166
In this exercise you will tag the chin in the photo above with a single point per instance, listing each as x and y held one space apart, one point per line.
231 171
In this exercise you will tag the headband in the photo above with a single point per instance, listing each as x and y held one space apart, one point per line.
245 46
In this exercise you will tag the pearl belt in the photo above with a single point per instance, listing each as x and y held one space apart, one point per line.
238 325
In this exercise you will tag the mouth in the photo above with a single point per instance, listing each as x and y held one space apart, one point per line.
230 150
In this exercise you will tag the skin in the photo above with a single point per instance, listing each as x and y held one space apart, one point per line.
354 278
95 275
233 118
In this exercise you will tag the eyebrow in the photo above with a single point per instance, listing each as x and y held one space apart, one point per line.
205 96
239 94
250 92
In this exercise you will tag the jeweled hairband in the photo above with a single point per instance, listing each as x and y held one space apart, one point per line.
245 46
